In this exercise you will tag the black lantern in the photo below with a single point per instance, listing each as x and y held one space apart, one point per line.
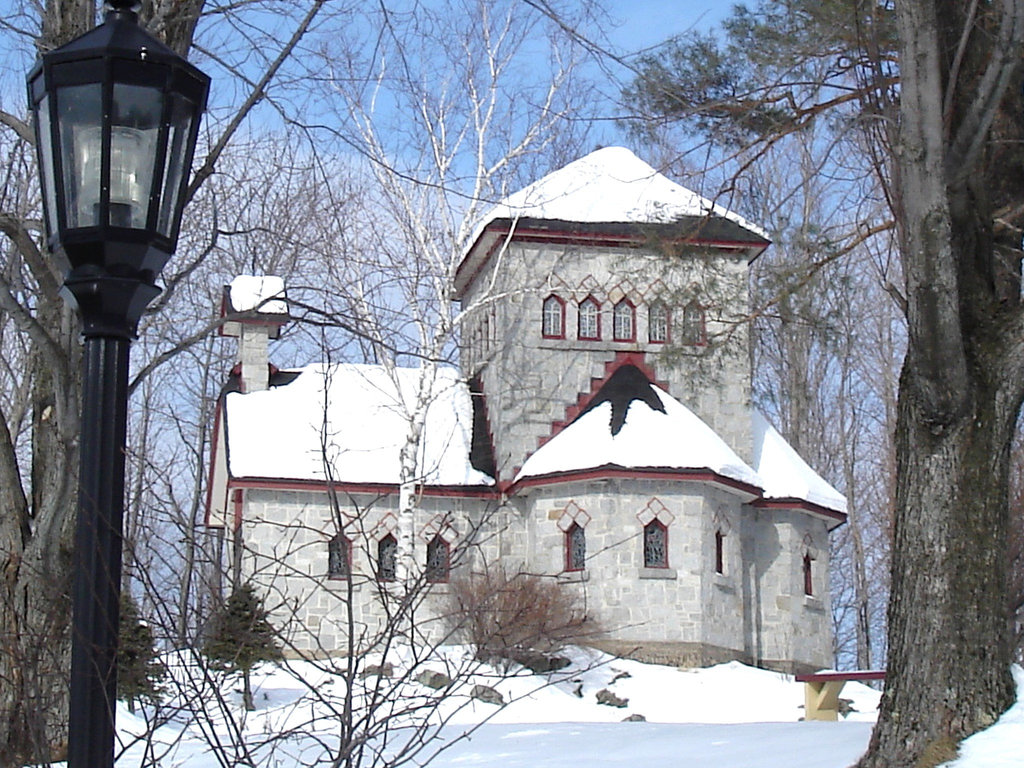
117 115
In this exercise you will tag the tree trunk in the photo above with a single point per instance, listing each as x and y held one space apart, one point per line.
36 559
247 692
960 389
949 650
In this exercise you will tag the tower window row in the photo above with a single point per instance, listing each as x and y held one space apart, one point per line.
689 327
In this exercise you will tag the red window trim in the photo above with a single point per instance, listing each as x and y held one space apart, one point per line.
632 321
579 319
808 575
702 331
543 323
668 323
664 528
569 567
346 552
439 539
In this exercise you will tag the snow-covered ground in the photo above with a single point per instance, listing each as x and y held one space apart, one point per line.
726 716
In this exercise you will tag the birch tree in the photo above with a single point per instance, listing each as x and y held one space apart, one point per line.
450 105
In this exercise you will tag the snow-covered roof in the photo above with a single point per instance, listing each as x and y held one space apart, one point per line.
610 185
262 293
638 427
354 418
609 193
784 474
633 424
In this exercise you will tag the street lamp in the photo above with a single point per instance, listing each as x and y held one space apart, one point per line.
116 118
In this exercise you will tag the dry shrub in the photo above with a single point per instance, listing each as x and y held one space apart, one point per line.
516 616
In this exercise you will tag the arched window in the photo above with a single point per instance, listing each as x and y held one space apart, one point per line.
719 552
387 558
575 548
693 333
590 319
339 557
553 318
438 560
623 322
655 545
808 574
657 323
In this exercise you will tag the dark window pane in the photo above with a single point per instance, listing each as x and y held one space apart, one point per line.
81 138
575 548
655 545
808 575
134 130
339 557
387 551
180 130
437 560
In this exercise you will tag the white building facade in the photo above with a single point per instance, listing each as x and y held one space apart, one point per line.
599 433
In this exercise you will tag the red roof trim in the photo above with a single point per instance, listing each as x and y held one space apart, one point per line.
504 231
381 489
803 505
567 237
651 473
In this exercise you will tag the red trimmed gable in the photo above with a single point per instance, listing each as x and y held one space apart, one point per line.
638 359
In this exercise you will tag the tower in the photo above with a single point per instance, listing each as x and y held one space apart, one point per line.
601 263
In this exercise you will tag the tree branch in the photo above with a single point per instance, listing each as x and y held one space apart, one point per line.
257 95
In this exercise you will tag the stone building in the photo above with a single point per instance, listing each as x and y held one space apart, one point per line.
600 432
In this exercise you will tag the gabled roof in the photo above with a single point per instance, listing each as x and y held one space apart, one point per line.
632 424
353 419
608 196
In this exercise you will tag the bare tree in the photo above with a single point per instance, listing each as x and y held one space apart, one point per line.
39 401
934 89
445 110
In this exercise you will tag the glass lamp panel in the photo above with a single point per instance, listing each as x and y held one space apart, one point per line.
45 155
134 131
182 111
79 117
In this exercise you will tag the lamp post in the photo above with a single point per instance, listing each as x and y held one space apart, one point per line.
116 118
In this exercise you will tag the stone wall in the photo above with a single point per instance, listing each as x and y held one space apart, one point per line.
284 550
684 614
530 381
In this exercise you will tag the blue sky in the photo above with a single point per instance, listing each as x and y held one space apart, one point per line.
648 22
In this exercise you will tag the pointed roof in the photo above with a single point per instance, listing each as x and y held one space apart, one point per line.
634 424
610 195
611 185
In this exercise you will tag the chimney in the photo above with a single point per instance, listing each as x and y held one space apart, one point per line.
257 309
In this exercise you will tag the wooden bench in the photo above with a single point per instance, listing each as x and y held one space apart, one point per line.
821 691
